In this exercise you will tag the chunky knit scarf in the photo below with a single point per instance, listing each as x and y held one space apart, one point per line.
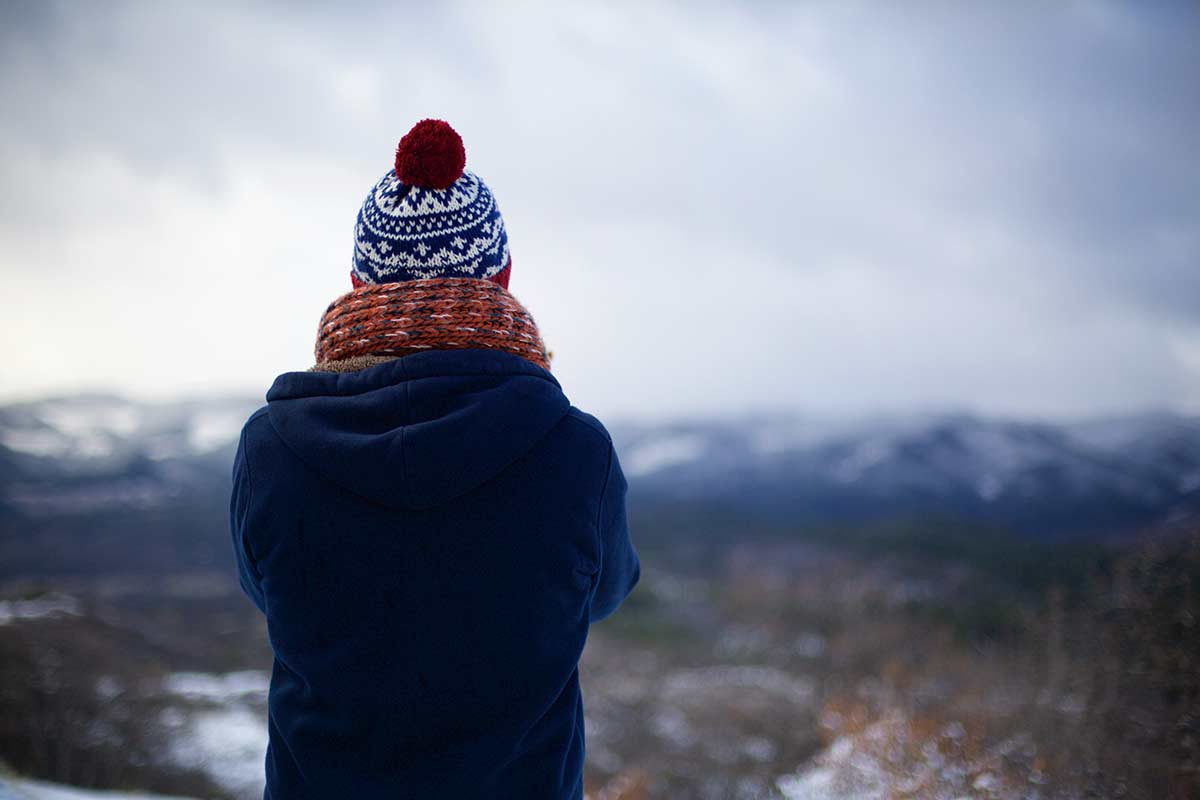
381 321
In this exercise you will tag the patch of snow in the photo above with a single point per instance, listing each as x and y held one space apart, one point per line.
49 606
815 784
83 429
208 430
218 688
92 418
844 772
656 454
229 745
222 730
26 789
864 456
703 680
43 442
892 758
672 726
781 438
985 782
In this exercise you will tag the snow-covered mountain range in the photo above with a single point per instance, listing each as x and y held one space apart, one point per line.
1102 476
90 453
84 453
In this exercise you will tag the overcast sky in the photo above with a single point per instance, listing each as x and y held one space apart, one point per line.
836 207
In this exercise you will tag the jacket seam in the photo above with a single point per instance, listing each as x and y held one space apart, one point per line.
495 476
600 511
320 475
249 545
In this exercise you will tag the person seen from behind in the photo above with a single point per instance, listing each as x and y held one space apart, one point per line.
427 522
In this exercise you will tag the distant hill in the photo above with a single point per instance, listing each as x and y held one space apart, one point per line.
98 484
95 483
1098 477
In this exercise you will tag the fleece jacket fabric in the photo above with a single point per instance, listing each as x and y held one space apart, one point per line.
429 539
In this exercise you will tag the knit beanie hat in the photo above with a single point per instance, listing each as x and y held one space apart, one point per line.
428 217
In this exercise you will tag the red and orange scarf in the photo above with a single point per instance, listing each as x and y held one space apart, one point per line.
377 322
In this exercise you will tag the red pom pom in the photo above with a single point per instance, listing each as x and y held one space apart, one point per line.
431 155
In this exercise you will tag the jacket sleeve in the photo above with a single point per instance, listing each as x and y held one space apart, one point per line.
239 505
619 564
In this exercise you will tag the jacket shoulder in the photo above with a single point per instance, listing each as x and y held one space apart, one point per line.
252 424
586 419
257 434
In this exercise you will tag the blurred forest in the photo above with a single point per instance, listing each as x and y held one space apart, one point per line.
923 658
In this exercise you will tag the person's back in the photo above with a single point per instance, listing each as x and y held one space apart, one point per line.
427 522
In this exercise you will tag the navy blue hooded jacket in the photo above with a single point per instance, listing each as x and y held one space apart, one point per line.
429 539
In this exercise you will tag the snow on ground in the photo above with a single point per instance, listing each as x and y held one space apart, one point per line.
702 682
48 606
891 758
219 688
221 728
230 745
25 789
218 726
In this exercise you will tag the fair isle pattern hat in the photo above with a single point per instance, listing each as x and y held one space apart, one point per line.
429 217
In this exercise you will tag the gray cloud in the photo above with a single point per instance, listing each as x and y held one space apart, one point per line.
840 206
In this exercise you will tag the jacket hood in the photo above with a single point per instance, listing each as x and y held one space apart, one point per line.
417 431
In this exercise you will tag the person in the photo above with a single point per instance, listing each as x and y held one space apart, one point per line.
427 522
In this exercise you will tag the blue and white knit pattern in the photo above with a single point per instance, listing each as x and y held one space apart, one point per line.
407 232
